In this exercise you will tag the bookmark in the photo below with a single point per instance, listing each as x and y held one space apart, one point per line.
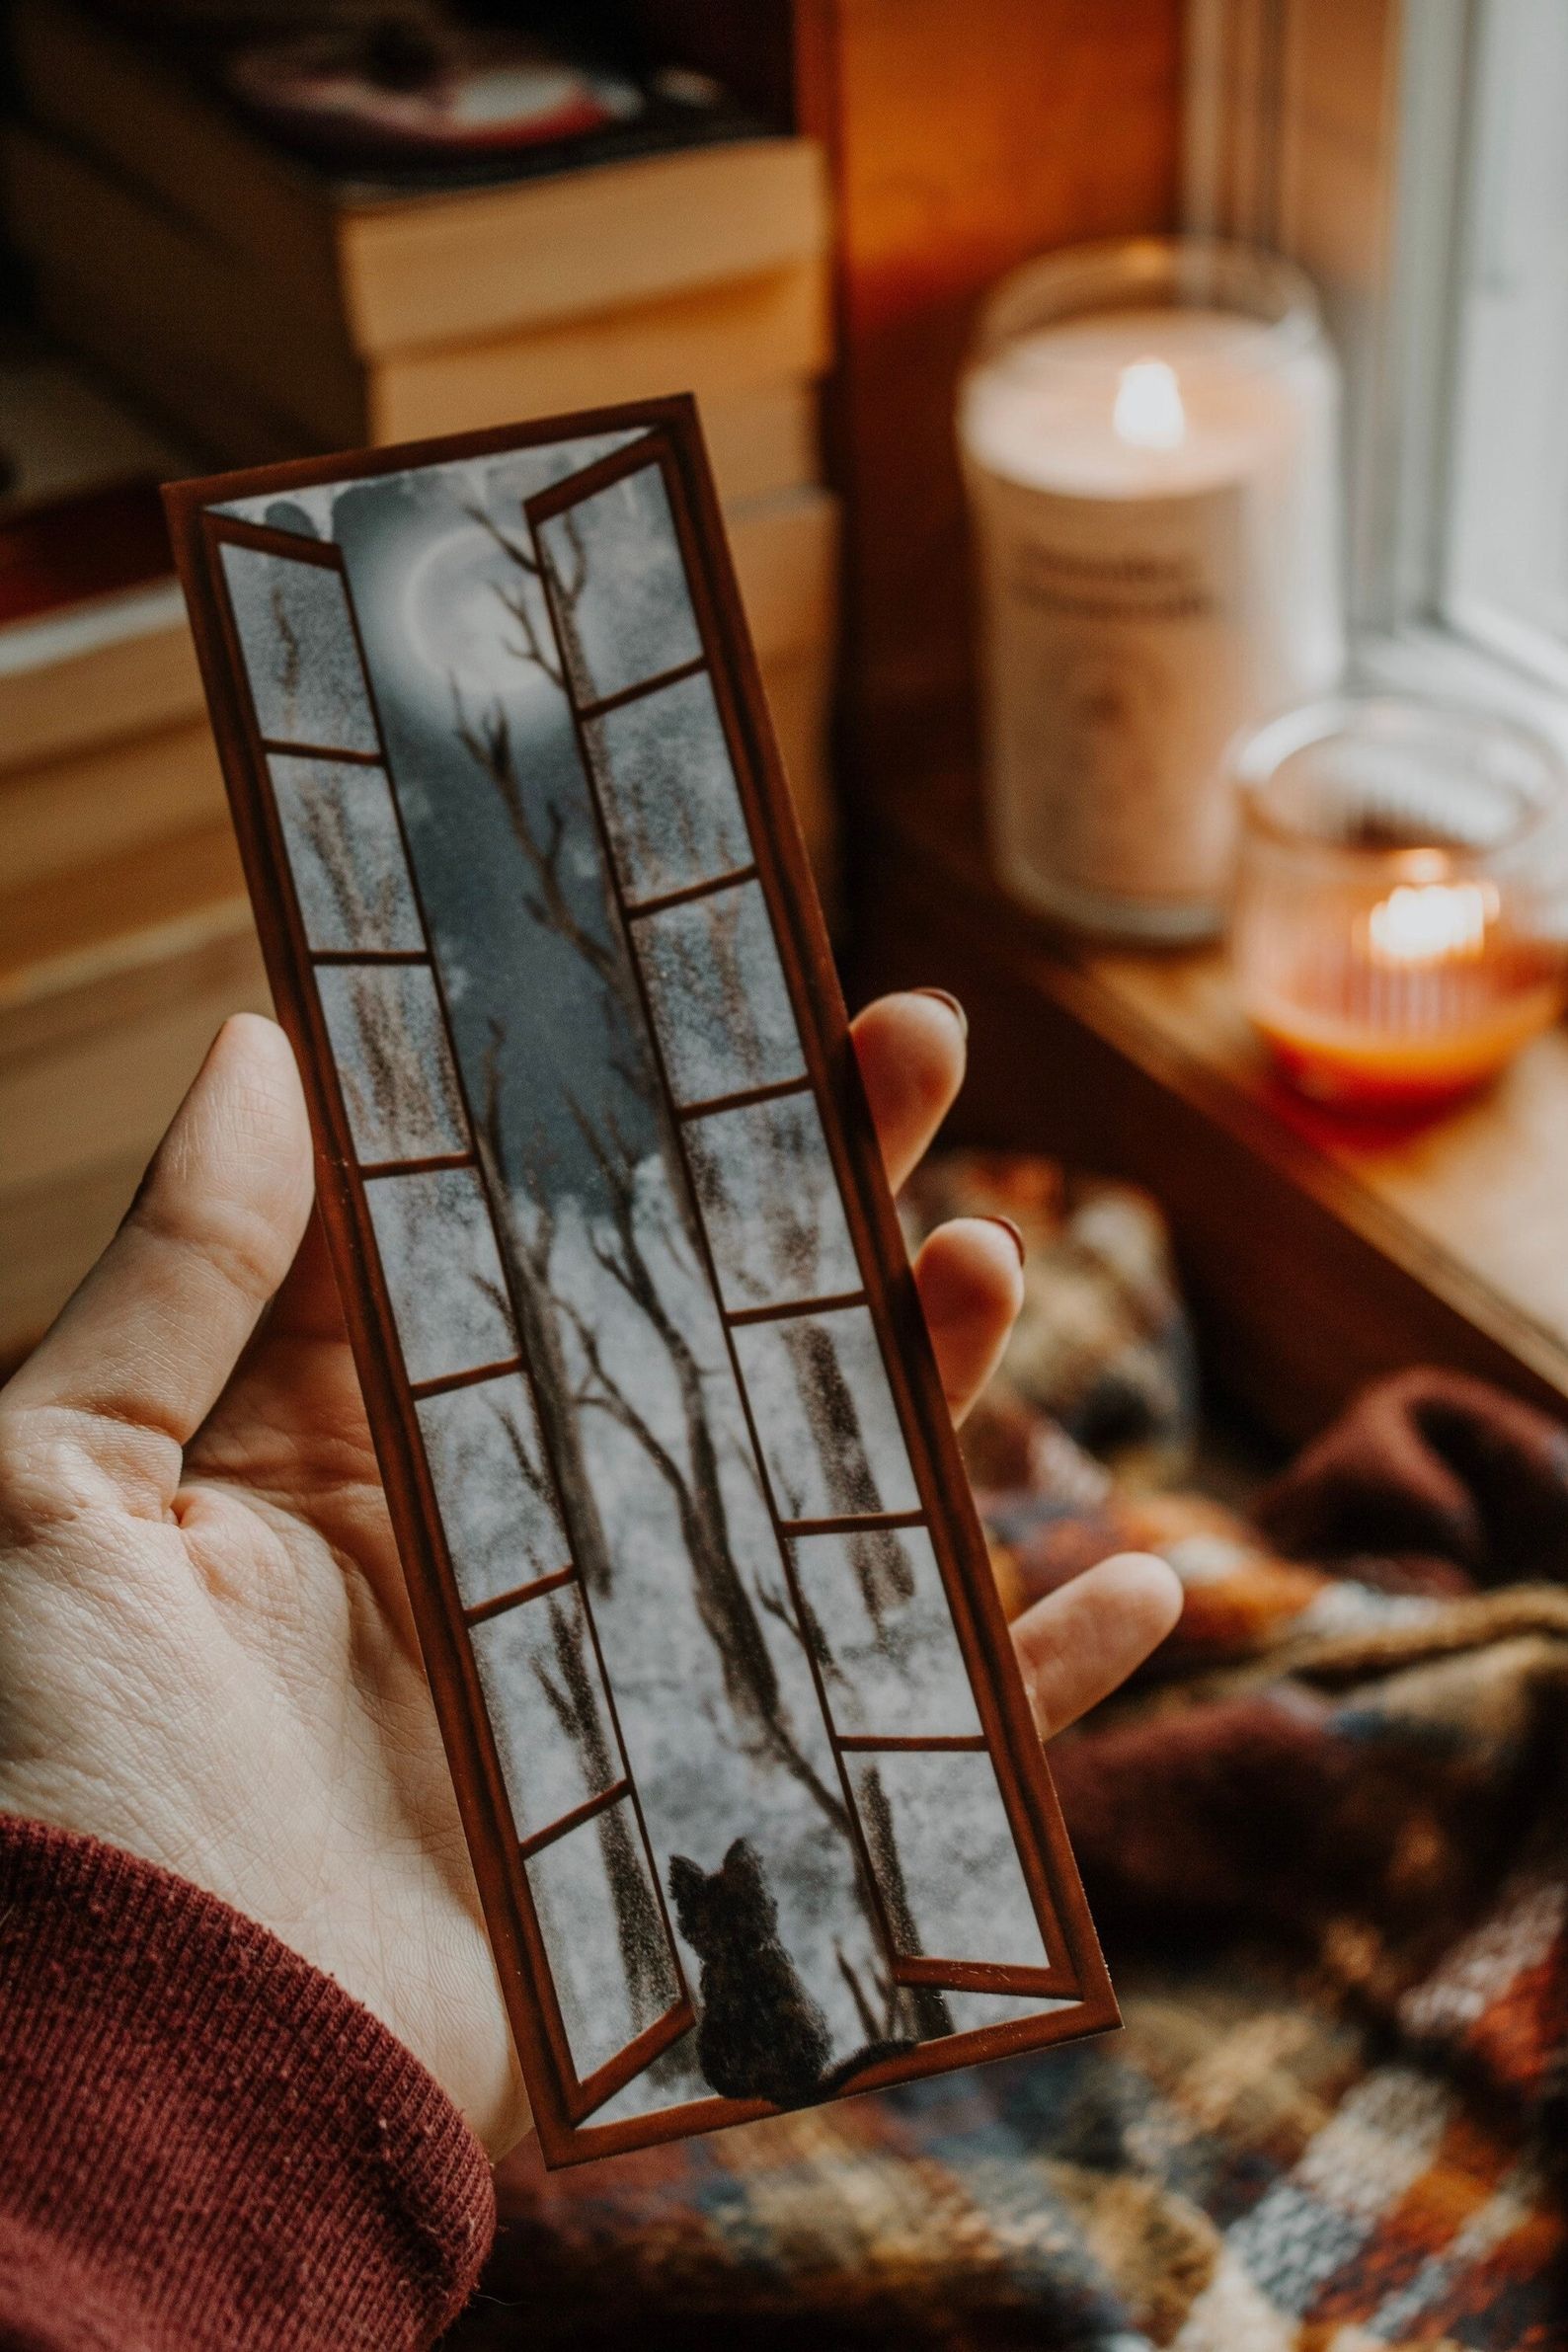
755 1804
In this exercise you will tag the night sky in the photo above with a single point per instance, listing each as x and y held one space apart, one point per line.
423 578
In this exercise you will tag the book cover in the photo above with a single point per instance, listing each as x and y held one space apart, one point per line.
425 97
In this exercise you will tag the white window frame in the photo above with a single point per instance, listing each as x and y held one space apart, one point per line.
1334 132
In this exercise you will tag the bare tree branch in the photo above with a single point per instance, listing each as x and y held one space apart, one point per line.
573 1694
696 1487
533 1243
870 2025
611 1398
532 647
927 2005
568 588
513 549
487 742
722 1602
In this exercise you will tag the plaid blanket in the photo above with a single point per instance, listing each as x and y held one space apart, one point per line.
1323 1834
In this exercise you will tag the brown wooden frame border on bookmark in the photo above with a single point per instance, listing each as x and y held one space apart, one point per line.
1075 1979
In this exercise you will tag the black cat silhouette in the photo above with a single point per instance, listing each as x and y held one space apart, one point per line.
761 2036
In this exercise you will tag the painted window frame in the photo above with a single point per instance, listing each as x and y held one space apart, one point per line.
447 1649
1057 1980
1074 1986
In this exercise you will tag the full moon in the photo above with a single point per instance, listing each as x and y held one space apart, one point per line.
454 618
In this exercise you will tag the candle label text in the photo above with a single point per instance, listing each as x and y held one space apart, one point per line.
1119 658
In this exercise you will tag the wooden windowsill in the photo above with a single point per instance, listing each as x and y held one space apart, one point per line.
1484 1187
1318 1253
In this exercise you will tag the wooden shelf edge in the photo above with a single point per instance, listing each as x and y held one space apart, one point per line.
1305 1283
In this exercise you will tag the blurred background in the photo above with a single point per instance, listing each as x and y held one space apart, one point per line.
241 234
1297 1225
235 233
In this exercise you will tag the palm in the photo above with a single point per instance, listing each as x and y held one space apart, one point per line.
283 1496
210 1656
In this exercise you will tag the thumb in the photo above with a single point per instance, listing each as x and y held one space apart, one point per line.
141 1351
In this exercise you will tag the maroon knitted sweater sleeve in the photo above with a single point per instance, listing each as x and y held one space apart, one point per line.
204 2144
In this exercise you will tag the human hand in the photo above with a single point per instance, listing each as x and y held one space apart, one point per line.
206 1654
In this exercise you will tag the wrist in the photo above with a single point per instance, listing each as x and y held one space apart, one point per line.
201 2131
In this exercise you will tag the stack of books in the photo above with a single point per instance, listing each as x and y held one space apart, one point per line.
124 934
215 227
251 303
276 304
248 299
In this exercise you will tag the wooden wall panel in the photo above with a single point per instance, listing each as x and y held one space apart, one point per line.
967 136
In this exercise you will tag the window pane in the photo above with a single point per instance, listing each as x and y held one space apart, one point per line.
300 656
1509 525
438 1255
604 1936
826 1415
770 1202
546 1706
620 587
398 1086
496 1502
350 873
720 1004
666 779
884 1635
938 1833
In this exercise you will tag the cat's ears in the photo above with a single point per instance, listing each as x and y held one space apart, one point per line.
743 1868
741 1872
686 1883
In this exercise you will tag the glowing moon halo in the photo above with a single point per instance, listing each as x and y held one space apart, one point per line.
454 617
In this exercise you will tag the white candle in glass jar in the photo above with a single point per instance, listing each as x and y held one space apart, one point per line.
1156 501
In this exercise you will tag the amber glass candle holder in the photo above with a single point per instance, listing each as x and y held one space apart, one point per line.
1401 897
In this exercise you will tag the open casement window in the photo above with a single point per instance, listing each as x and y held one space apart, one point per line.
756 1806
517 1637
809 1342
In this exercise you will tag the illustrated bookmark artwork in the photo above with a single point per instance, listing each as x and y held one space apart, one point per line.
756 1808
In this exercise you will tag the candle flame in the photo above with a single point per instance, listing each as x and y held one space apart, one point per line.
1428 922
1148 412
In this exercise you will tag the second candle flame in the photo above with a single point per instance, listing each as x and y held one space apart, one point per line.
1426 922
1148 412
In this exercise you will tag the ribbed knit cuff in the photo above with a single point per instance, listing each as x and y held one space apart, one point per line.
206 2146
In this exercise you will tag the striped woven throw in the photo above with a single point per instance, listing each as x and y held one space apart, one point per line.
1324 1837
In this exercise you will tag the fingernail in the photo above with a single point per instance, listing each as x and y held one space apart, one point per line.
1015 1233
946 996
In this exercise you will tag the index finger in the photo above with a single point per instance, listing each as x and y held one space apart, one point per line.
911 1052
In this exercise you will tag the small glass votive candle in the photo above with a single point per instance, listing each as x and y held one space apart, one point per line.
1399 911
